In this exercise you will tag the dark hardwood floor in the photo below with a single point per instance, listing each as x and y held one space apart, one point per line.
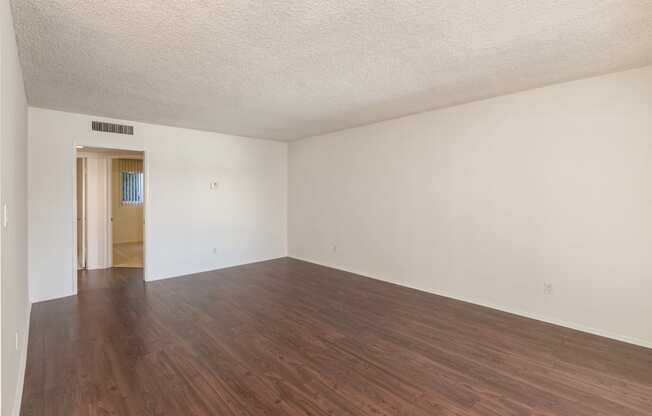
286 337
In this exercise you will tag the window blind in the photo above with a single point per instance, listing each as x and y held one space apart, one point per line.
133 181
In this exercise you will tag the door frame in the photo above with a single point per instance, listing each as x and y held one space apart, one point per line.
146 202
81 219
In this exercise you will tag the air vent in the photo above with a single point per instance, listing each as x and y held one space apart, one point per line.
112 128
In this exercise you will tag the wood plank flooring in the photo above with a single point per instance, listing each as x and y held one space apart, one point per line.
285 337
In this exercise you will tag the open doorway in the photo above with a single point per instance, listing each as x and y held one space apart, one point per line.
110 208
127 210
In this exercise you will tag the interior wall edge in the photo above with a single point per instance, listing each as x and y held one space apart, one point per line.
166 277
35 300
13 194
563 323
22 366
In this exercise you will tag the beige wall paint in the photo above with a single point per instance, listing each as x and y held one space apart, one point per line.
491 200
13 239
127 218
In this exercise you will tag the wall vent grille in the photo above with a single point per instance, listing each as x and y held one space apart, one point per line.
112 128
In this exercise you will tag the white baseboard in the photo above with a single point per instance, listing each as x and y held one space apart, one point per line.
22 363
163 277
567 324
227 266
128 242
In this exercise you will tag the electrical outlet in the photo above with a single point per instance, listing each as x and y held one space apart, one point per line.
334 249
214 185
214 250
547 288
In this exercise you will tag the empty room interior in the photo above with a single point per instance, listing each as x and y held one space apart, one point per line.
299 207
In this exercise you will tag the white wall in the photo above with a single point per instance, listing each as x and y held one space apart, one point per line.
489 200
13 165
245 219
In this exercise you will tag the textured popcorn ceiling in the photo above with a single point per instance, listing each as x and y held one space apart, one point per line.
291 69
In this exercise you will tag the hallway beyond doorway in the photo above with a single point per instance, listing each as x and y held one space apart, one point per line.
128 254
110 208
